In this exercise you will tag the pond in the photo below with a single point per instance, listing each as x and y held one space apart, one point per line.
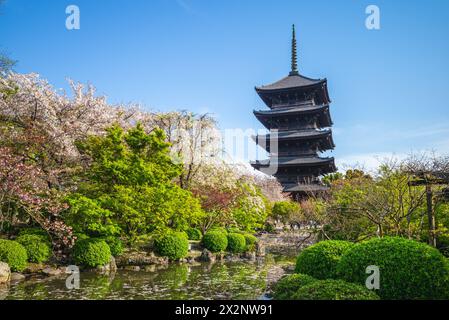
221 280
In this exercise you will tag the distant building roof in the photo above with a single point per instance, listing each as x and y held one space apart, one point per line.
293 161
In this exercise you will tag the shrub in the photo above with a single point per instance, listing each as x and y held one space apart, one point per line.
250 241
236 242
173 245
269 228
115 244
35 231
334 290
320 260
14 254
37 247
91 252
287 286
408 269
215 241
194 234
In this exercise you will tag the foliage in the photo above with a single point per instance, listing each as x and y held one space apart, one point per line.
408 269
194 234
334 290
115 244
215 241
320 260
236 243
173 245
91 252
287 286
14 254
37 247
250 241
34 231
129 189
282 210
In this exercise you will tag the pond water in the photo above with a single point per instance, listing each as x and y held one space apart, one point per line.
221 280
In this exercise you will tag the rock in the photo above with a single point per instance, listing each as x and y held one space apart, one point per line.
15 276
108 267
50 271
132 268
260 249
207 256
5 272
34 268
150 268
250 255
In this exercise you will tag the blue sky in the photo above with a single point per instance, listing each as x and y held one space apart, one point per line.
389 87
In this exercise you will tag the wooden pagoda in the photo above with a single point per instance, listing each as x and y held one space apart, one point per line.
299 120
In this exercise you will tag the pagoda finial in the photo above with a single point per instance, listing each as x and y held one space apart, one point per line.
294 70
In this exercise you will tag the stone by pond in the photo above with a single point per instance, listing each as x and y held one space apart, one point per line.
220 280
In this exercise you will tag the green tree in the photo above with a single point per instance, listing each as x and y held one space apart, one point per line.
128 187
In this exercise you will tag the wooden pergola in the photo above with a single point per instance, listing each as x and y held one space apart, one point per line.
430 179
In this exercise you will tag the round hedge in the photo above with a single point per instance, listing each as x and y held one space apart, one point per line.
408 269
91 252
38 248
236 243
115 244
194 234
174 245
215 241
334 290
287 286
35 231
14 254
250 242
320 260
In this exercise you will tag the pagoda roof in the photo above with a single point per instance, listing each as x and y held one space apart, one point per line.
313 187
296 134
292 81
309 108
294 161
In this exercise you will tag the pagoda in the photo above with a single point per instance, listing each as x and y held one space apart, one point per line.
299 122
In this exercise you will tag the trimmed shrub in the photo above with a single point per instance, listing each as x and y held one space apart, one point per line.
334 290
115 244
215 241
320 260
91 252
173 245
287 286
14 254
408 269
236 242
219 229
250 242
35 231
194 234
38 248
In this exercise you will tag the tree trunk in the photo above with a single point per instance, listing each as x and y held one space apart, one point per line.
431 217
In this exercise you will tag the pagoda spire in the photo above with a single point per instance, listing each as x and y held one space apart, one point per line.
294 70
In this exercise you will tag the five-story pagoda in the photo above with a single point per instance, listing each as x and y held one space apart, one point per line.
299 122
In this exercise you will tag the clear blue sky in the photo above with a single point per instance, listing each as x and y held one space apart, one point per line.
389 87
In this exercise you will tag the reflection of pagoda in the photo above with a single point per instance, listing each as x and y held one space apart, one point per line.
299 110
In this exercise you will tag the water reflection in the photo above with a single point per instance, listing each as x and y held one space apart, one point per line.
232 280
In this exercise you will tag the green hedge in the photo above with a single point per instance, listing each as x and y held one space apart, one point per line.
38 248
14 254
215 241
320 260
91 252
115 244
194 234
173 245
334 290
236 243
250 242
287 286
408 269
